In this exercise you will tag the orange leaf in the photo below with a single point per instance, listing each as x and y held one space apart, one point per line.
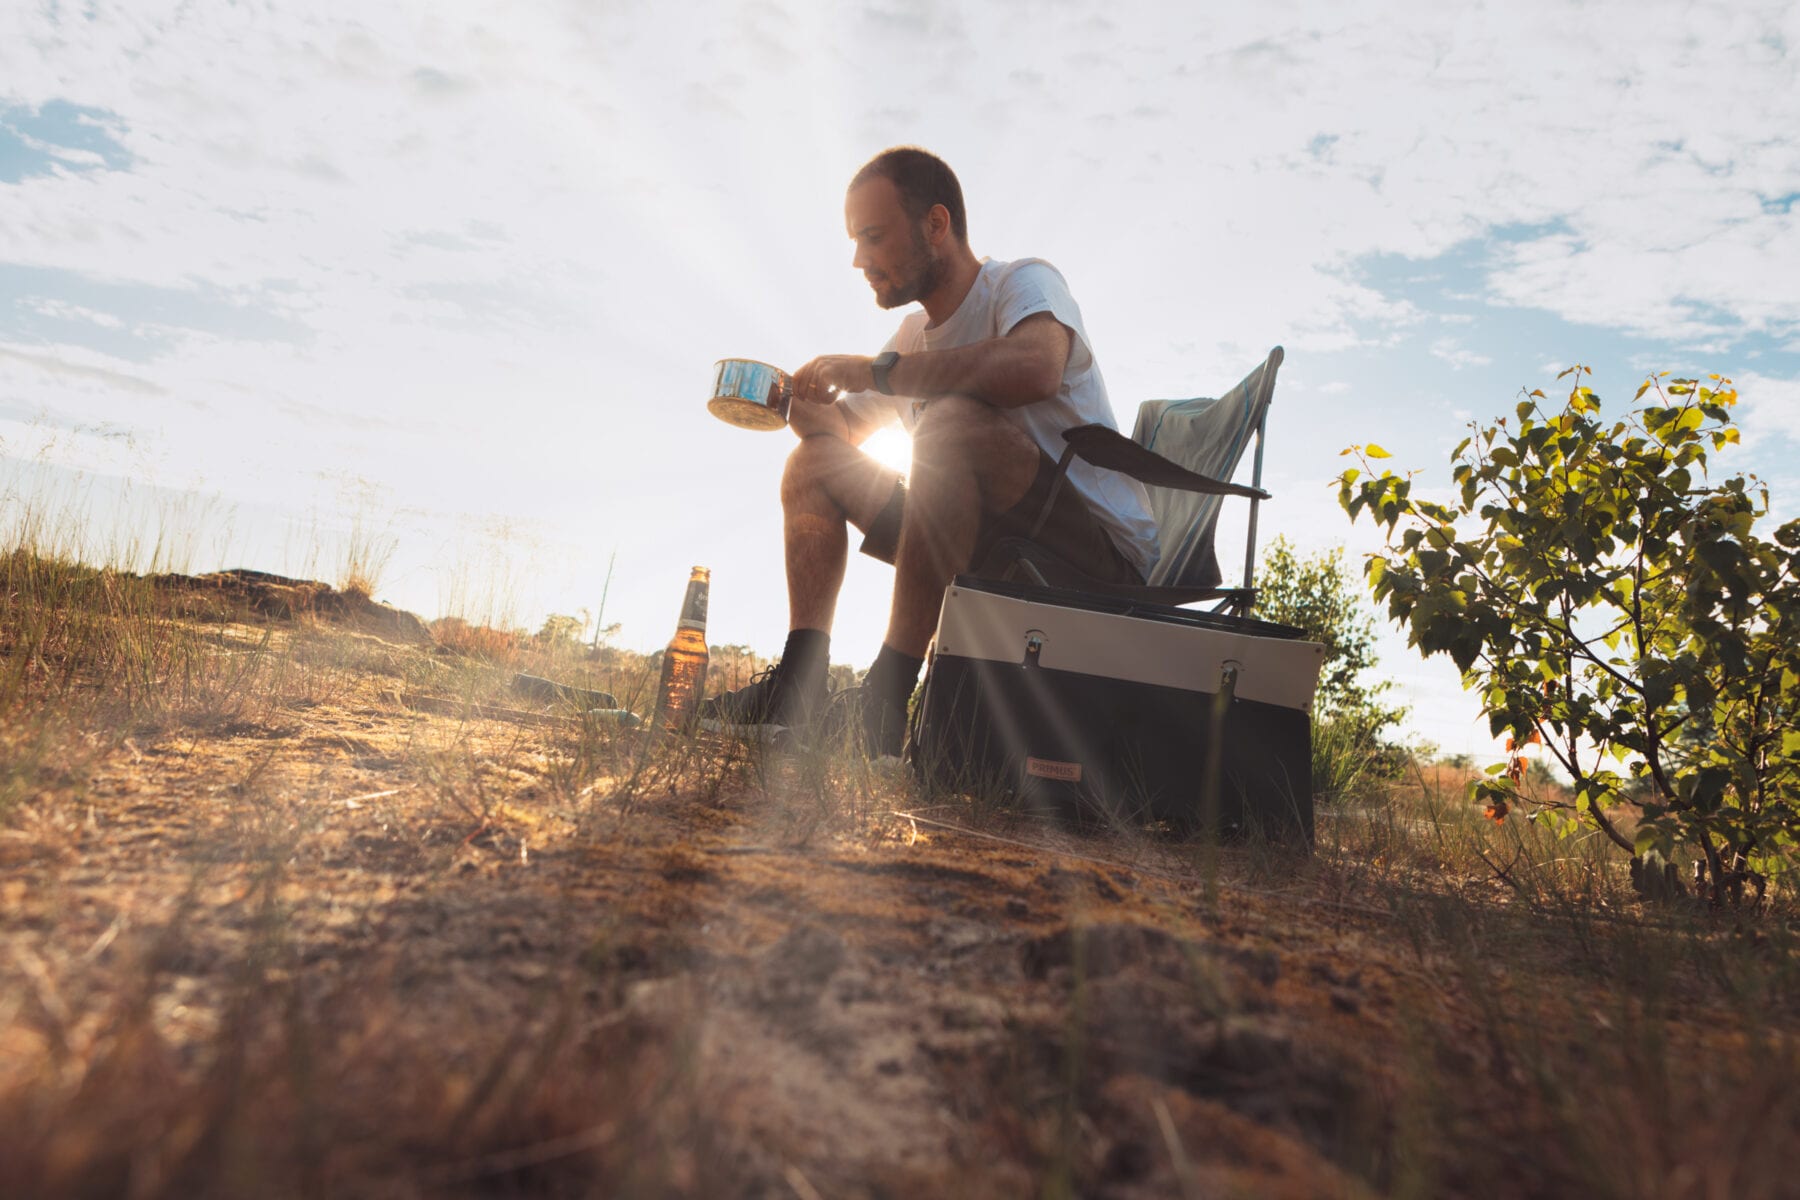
1496 812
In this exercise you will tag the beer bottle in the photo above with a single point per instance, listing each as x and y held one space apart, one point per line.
684 662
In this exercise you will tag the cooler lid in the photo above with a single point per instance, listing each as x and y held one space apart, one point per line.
1166 647
1122 607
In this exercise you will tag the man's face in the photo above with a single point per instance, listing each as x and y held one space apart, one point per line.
892 251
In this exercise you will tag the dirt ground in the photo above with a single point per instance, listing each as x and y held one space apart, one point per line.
388 947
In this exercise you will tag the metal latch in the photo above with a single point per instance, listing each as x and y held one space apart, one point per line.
1034 646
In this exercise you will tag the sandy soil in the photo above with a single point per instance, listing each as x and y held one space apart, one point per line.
796 1003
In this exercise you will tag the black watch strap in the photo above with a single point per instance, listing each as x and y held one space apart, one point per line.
884 362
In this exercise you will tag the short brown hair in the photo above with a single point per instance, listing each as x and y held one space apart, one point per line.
922 179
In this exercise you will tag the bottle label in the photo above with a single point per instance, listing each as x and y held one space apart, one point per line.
693 609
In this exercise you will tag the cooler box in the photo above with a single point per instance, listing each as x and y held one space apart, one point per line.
1102 710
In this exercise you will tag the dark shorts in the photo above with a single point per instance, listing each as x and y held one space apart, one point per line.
1072 531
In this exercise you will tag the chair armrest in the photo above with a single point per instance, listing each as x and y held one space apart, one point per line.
1113 450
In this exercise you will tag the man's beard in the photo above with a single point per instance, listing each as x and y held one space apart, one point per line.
927 271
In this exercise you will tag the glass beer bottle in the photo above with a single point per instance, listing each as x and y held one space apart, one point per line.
684 662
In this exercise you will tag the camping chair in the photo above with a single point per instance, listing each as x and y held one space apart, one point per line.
1183 452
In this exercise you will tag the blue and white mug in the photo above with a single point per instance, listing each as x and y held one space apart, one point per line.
750 394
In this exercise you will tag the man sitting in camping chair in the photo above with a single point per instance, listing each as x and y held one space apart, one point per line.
987 378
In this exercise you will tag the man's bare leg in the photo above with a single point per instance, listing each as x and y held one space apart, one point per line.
967 459
826 483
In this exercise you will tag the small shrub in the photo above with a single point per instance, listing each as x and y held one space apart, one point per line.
1611 603
478 641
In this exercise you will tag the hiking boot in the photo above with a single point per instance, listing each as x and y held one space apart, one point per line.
874 724
771 701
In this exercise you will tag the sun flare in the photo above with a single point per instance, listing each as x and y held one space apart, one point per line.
891 448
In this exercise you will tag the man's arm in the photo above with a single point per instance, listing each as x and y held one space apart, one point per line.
1021 368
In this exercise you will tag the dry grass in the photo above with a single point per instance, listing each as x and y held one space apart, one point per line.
294 909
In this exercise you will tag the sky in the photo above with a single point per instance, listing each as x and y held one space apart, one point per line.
444 284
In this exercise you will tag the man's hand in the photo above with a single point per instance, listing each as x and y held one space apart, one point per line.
825 378
807 419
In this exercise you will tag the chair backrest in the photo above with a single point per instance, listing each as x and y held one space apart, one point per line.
1207 436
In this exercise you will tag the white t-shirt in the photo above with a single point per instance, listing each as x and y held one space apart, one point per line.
1004 294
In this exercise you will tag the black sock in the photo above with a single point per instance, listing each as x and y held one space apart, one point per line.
806 656
894 675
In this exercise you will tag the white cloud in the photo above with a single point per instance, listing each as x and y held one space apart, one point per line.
1458 356
67 363
1768 406
73 156
64 311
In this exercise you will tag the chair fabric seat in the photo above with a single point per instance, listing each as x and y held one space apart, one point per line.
1208 437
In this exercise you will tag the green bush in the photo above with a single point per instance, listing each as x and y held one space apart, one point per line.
1610 601
1351 723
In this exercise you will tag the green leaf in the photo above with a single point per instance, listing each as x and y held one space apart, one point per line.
1374 451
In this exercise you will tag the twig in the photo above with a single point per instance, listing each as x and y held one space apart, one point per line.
802 1186
352 801
105 939
503 1161
1504 874
1178 1158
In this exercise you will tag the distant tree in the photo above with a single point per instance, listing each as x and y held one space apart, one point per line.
1352 723
731 666
560 629
839 676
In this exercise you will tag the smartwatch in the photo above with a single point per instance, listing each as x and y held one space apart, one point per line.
884 362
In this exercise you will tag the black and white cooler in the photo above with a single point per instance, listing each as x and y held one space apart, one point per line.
1101 710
